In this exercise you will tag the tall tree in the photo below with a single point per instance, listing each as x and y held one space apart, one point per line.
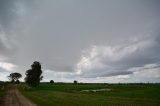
33 75
14 76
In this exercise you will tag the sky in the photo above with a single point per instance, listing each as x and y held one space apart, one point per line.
101 41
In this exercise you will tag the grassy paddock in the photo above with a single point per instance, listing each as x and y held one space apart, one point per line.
72 95
2 92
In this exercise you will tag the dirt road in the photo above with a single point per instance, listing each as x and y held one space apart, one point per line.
14 98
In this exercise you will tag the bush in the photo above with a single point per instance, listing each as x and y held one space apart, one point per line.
51 81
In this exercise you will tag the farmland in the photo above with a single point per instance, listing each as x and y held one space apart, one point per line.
2 89
93 94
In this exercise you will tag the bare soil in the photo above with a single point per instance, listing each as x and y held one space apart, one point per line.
14 98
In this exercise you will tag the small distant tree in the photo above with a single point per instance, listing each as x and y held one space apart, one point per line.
14 77
51 81
75 82
33 75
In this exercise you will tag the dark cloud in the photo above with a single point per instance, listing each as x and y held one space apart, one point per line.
6 14
62 35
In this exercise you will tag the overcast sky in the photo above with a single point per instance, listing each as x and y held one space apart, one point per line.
84 40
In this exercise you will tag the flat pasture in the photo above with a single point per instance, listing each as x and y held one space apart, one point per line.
93 94
2 92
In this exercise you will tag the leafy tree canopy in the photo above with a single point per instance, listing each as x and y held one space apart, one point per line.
14 76
33 75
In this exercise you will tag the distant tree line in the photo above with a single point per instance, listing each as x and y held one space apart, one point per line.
33 75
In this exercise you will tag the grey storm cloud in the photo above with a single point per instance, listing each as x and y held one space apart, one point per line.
116 60
80 39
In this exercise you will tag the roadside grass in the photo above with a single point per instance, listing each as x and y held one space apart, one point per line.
2 92
71 95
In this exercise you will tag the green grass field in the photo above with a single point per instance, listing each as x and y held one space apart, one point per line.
2 89
73 95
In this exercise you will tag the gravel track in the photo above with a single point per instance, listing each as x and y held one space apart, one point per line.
14 98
